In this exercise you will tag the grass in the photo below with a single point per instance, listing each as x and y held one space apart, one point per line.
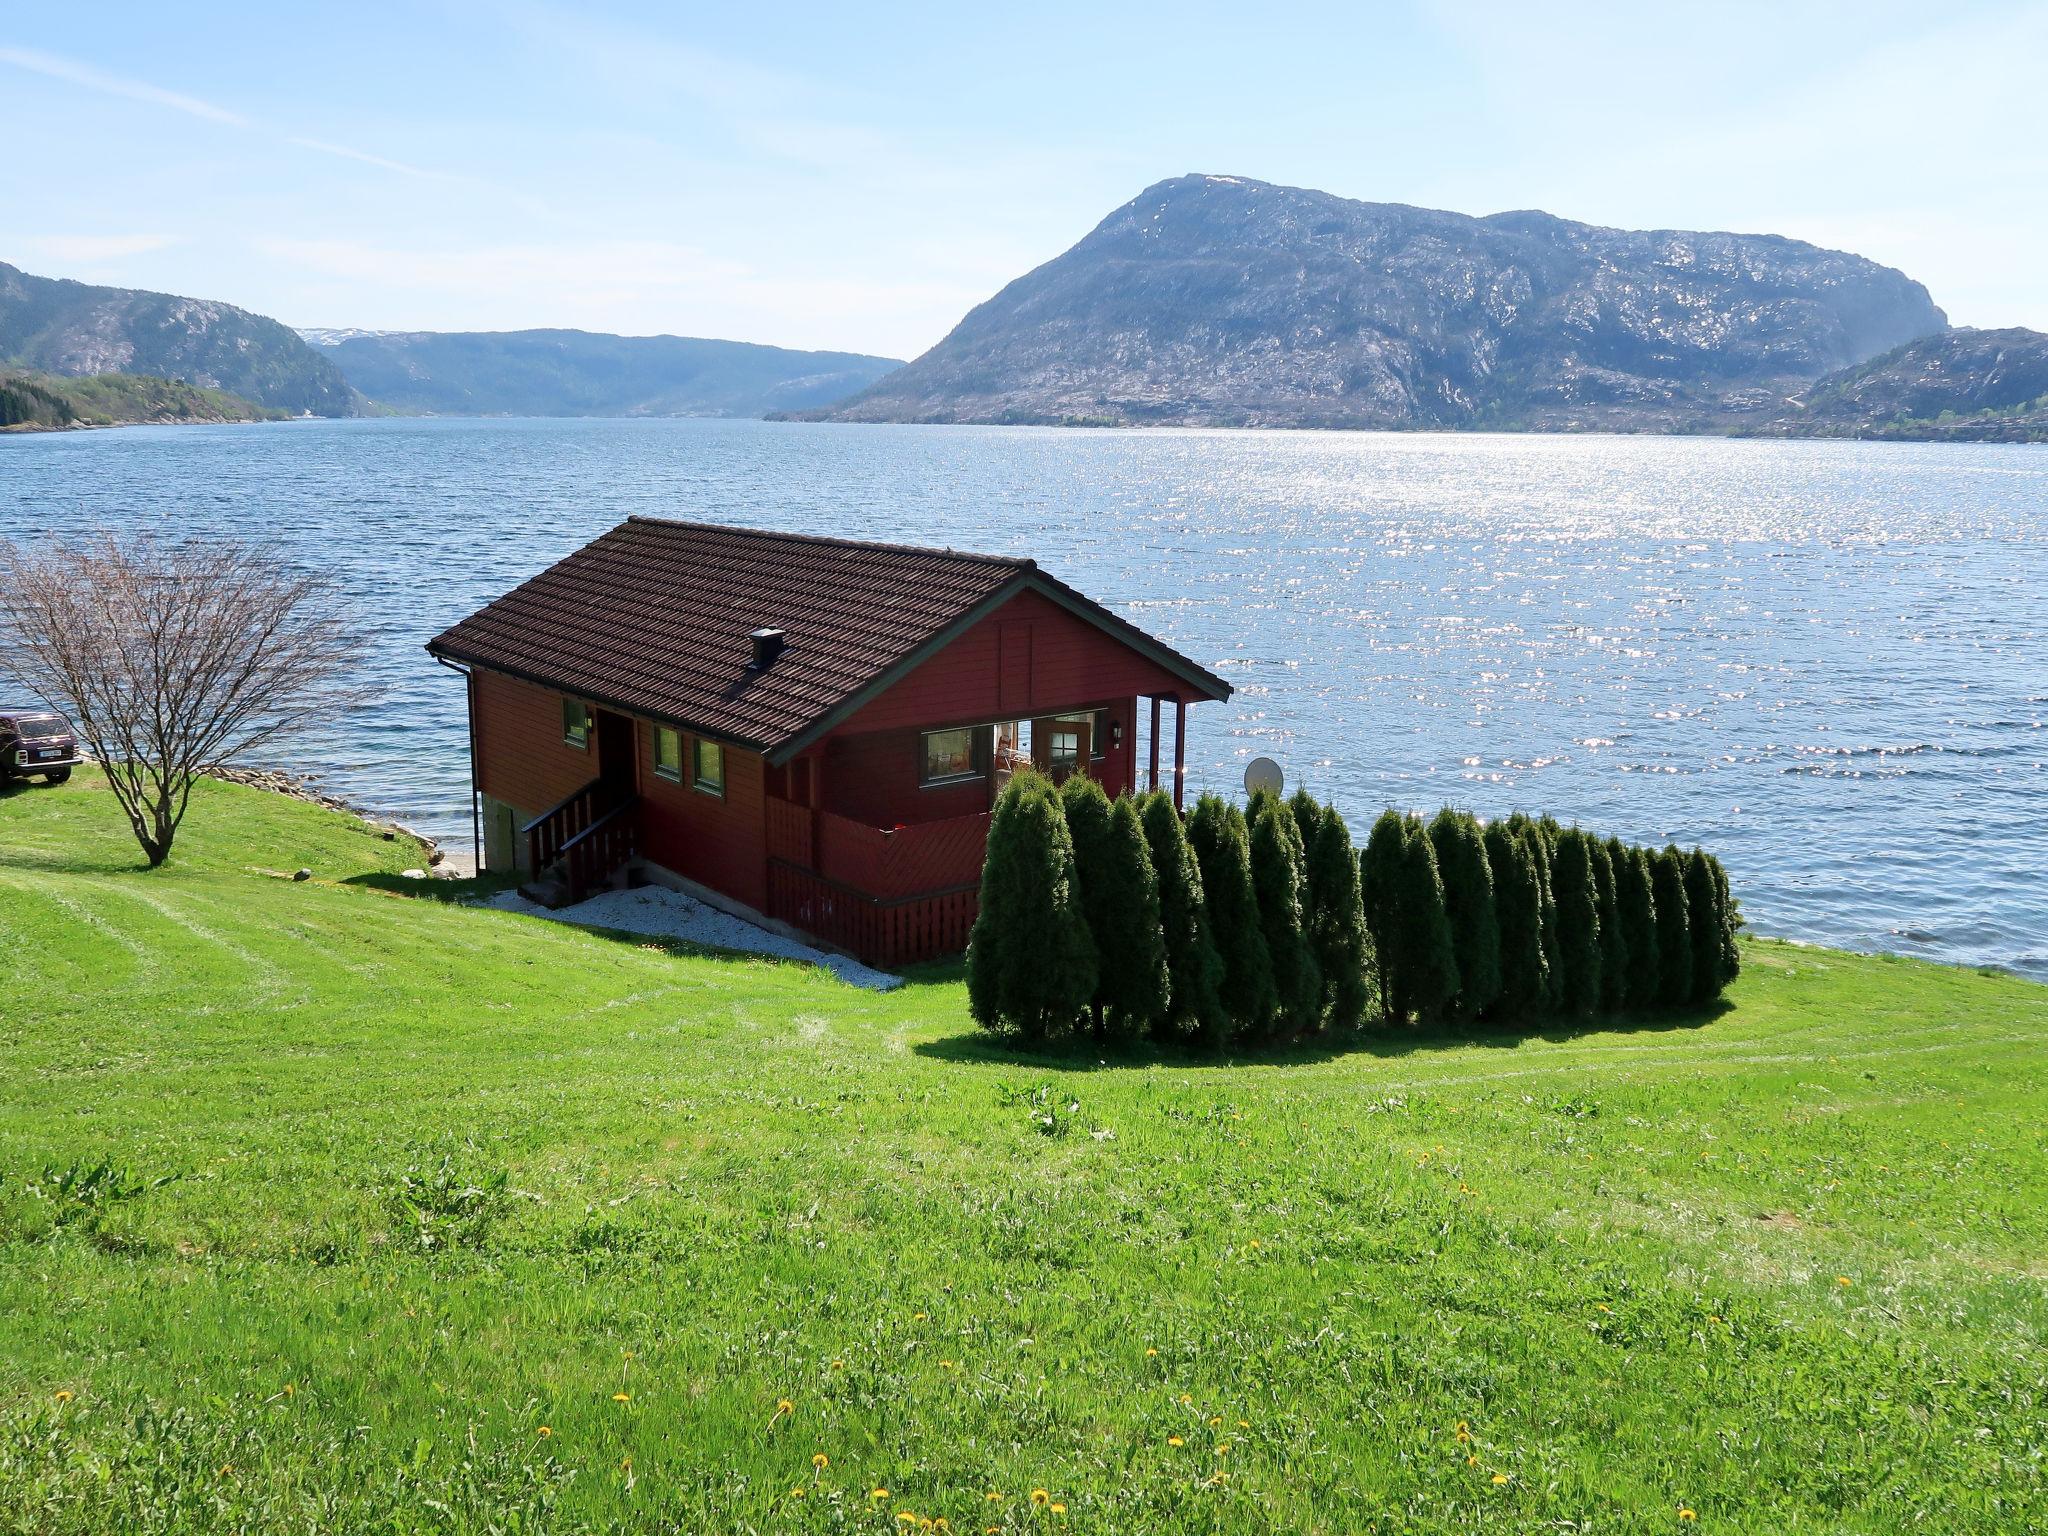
323 1208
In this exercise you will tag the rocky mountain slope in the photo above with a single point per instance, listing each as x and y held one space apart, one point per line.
1213 300
580 373
1964 385
54 325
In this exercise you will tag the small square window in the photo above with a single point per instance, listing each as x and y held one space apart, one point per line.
575 723
668 753
708 766
953 756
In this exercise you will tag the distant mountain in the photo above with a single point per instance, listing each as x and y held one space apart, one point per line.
43 401
581 373
1216 301
1963 385
54 325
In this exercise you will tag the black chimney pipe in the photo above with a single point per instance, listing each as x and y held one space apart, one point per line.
767 646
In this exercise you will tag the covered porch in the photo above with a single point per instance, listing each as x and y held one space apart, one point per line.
875 840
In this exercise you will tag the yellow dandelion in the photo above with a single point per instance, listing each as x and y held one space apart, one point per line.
1175 1440
622 1397
1499 1478
994 1497
838 1365
784 1405
1040 1496
1841 1279
878 1493
1471 1461
1186 1398
905 1517
63 1395
1255 1242
1686 1514
626 1463
1464 1436
946 1365
545 1433
1150 1353
1244 1423
941 1524
1222 1450
1216 1421
290 1390
796 1493
821 1461
918 1317
1601 1306
1059 1509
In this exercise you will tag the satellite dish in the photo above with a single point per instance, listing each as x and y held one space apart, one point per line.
1262 776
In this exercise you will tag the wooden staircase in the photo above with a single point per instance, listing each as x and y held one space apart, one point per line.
580 845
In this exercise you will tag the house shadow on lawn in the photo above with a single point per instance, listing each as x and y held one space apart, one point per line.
979 1049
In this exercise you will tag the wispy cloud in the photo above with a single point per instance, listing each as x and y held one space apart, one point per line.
96 248
74 72
365 158
92 79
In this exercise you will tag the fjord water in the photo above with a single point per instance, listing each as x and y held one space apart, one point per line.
1826 661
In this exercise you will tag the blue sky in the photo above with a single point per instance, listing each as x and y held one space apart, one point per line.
858 176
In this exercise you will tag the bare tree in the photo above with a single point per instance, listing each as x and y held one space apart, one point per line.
173 659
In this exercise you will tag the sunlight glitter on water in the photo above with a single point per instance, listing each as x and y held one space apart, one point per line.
1824 660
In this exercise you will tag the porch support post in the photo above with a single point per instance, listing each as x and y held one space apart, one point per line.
1155 743
1180 750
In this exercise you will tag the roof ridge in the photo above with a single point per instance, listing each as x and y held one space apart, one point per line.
1014 562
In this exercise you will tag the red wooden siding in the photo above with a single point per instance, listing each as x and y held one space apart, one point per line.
717 841
521 759
1072 664
873 777
931 856
886 933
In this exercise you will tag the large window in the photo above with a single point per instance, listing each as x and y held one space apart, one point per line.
575 723
1097 722
668 753
951 757
707 766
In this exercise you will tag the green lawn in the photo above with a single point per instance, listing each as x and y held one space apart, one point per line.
1782 1266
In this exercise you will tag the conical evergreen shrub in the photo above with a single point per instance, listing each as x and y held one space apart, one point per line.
1222 847
1467 876
1280 881
1379 880
1703 913
1636 898
1337 930
1578 923
1432 957
1731 923
1518 905
1613 939
1030 960
1120 896
1674 932
1194 968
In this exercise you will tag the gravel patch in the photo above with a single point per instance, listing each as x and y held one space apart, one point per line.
661 913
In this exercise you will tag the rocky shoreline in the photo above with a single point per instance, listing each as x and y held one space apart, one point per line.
300 787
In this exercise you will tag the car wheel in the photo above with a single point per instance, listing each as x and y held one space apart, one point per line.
58 777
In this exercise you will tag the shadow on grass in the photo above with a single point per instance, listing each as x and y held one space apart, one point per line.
1387 1042
473 889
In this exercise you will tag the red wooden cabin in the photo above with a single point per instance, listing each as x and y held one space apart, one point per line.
808 731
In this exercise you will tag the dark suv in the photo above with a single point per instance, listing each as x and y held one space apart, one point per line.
36 741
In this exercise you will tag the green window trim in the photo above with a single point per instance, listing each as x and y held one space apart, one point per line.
707 767
668 754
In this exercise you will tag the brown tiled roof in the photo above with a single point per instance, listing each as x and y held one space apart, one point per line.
653 618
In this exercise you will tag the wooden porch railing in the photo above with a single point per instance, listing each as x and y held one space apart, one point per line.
566 833
878 932
595 854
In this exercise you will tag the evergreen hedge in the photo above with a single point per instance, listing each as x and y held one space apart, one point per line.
1194 969
1222 845
1467 877
1223 928
1280 886
1031 963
